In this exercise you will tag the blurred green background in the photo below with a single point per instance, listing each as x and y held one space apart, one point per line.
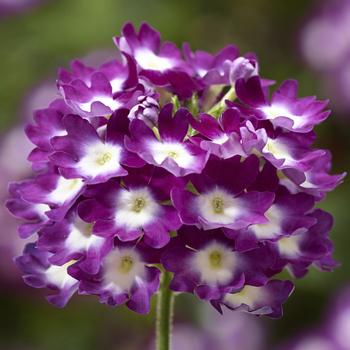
35 43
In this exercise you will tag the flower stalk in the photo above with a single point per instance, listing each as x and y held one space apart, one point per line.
165 311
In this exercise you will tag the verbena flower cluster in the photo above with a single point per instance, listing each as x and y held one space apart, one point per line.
178 161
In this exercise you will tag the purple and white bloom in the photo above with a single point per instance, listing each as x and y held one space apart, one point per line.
84 154
33 214
316 180
259 300
73 239
206 263
51 193
221 137
100 92
125 277
38 272
221 200
287 214
135 208
306 246
157 62
171 150
225 67
285 109
48 123
290 151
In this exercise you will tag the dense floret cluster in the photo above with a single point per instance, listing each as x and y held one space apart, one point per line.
180 161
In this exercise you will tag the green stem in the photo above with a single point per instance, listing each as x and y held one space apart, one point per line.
165 306
217 109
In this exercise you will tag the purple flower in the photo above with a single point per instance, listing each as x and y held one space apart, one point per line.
73 239
94 93
50 193
48 123
38 272
220 200
286 215
124 277
285 109
161 64
306 246
135 208
259 300
84 154
226 67
170 151
206 263
221 137
34 214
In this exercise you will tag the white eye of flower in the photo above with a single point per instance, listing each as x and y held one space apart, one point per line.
58 275
123 267
41 209
135 208
100 158
176 151
289 246
218 206
106 100
249 295
215 263
278 150
271 228
221 140
148 60
80 237
65 189
275 111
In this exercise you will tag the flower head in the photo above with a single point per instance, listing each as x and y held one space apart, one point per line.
176 161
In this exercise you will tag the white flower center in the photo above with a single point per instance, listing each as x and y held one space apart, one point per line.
58 275
289 246
123 267
271 228
148 60
41 209
218 206
135 208
106 100
174 150
221 140
66 189
80 237
278 150
100 158
215 263
117 84
275 111
249 295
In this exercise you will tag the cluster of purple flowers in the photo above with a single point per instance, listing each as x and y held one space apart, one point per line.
178 161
